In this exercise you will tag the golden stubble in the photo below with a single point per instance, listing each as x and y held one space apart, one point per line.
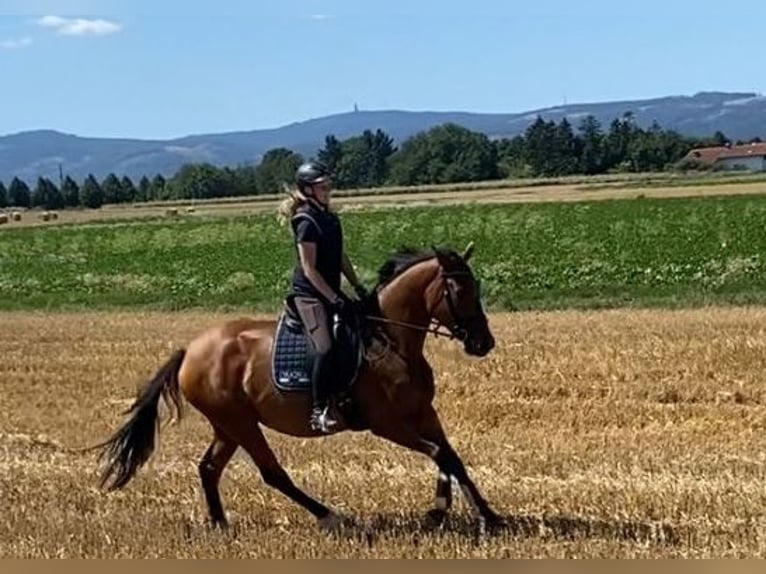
619 433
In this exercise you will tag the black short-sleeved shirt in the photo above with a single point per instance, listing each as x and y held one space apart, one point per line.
312 224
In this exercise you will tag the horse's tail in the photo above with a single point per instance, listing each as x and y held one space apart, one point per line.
132 445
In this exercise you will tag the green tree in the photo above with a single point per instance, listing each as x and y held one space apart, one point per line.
47 195
245 180
511 157
444 154
56 199
655 149
91 194
39 193
676 146
112 189
565 149
592 156
241 180
3 196
277 169
621 132
71 192
200 181
364 160
127 190
19 194
539 137
643 153
143 190
381 147
158 188
331 154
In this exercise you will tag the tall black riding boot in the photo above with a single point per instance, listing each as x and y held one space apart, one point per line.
320 416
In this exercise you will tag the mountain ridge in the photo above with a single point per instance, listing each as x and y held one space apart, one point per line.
40 152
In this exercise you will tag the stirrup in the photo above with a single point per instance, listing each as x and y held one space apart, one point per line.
321 420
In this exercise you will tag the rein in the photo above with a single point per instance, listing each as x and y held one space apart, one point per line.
435 328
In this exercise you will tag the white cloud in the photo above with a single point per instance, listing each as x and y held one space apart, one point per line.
320 16
51 21
79 26
14 44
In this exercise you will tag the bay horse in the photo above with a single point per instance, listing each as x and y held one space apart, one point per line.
225 374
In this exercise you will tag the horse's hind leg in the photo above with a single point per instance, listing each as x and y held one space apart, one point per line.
211 466
250 437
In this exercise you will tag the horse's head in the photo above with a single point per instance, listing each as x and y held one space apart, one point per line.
456 302
451 297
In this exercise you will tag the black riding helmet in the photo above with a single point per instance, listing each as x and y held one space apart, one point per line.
311 173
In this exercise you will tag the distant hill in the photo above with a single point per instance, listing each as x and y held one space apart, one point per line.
34 153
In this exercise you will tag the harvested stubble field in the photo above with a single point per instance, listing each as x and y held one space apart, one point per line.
612 433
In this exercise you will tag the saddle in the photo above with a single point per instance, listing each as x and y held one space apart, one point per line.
292 356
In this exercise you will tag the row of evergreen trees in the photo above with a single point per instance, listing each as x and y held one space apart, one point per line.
444 154
90 193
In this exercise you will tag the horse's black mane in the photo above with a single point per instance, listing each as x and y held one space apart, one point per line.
396 264
406 257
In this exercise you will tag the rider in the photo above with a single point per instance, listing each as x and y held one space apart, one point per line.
316 282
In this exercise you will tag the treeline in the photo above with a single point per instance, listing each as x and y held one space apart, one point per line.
444 154
89 193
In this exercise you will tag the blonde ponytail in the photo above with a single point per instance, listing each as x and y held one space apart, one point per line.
289 206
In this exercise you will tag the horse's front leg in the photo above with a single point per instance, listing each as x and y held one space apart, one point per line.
430 428
436 447
443 498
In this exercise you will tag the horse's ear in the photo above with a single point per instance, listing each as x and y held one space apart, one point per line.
440 256
468 252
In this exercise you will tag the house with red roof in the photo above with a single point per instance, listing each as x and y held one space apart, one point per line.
750 156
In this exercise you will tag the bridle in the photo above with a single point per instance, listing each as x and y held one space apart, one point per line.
456 330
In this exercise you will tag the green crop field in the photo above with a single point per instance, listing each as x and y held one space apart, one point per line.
532 256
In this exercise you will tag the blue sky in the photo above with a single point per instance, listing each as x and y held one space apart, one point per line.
161 69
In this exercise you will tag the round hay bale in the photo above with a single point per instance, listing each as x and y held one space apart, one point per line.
171 211
191 209
54 215
45 216
3 218
16 216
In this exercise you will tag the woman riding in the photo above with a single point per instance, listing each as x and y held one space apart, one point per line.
316 283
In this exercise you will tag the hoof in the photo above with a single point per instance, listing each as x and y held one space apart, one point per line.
330 523
436 516
218 525
492 523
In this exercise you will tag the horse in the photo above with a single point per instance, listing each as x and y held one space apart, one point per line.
225 373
